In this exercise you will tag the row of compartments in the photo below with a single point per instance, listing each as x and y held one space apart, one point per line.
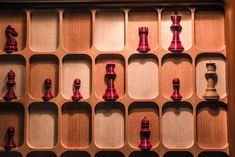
142 77
111 32
175 125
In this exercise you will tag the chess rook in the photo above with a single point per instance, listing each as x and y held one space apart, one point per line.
77 95
176 28
47 96
11 43
145 135
10 139
176 96
143 41
10 95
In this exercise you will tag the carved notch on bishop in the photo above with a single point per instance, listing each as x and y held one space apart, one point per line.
11 43
143 40
10 95
47 95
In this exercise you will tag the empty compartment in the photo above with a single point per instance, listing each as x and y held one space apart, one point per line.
44 32
76 66
100 71
109 154
109 30
11 114
42 125
109 125
213 154
143 153
41 68
186 23
76 124
77 30
201 82
211 21
212 125
75 154
17 19
17 64
177 66
142 18
143 76
178 154
136 112
41 154
10 154
177 125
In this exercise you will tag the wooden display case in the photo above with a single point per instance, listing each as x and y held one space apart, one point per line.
63 40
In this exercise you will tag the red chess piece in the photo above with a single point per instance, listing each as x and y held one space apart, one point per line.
143 42
176 29
11 43
10 84
110 93
47 96
10 138
77 95
176 87
145 135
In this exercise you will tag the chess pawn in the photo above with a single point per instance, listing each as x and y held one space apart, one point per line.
10 84
145 135
47 96
77 95
110 93
176 29
143 41
176 96
211 77
10 138
11 43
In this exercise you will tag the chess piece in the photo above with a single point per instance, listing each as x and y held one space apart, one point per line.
10 84
176 87
77 95
11 43
145 135
47 96
176 29
110 93
143 42
10 139
211 77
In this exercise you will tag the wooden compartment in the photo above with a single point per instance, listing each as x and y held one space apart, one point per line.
142 17
136 112
17 19
143 153
186 23
179 66
77 30
42 67
143 76
44 30
211 21
109 154
76 124
17 64
213 154
42 125
100 71
109 125
201 82
75 154
212 125
109 30
41 154
177 125
10 154
77 66
178 154
11 114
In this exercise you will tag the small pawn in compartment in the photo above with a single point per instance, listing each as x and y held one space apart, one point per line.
11 43
145 135
10 139
77 95
47 96
176 96
10 95
176 28
110 93
211 77
143 42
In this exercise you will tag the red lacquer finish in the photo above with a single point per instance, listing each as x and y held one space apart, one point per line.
143 42
10 139
176 87
145 135
77 95
47 96
11 43
10 95
176 29
110 93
